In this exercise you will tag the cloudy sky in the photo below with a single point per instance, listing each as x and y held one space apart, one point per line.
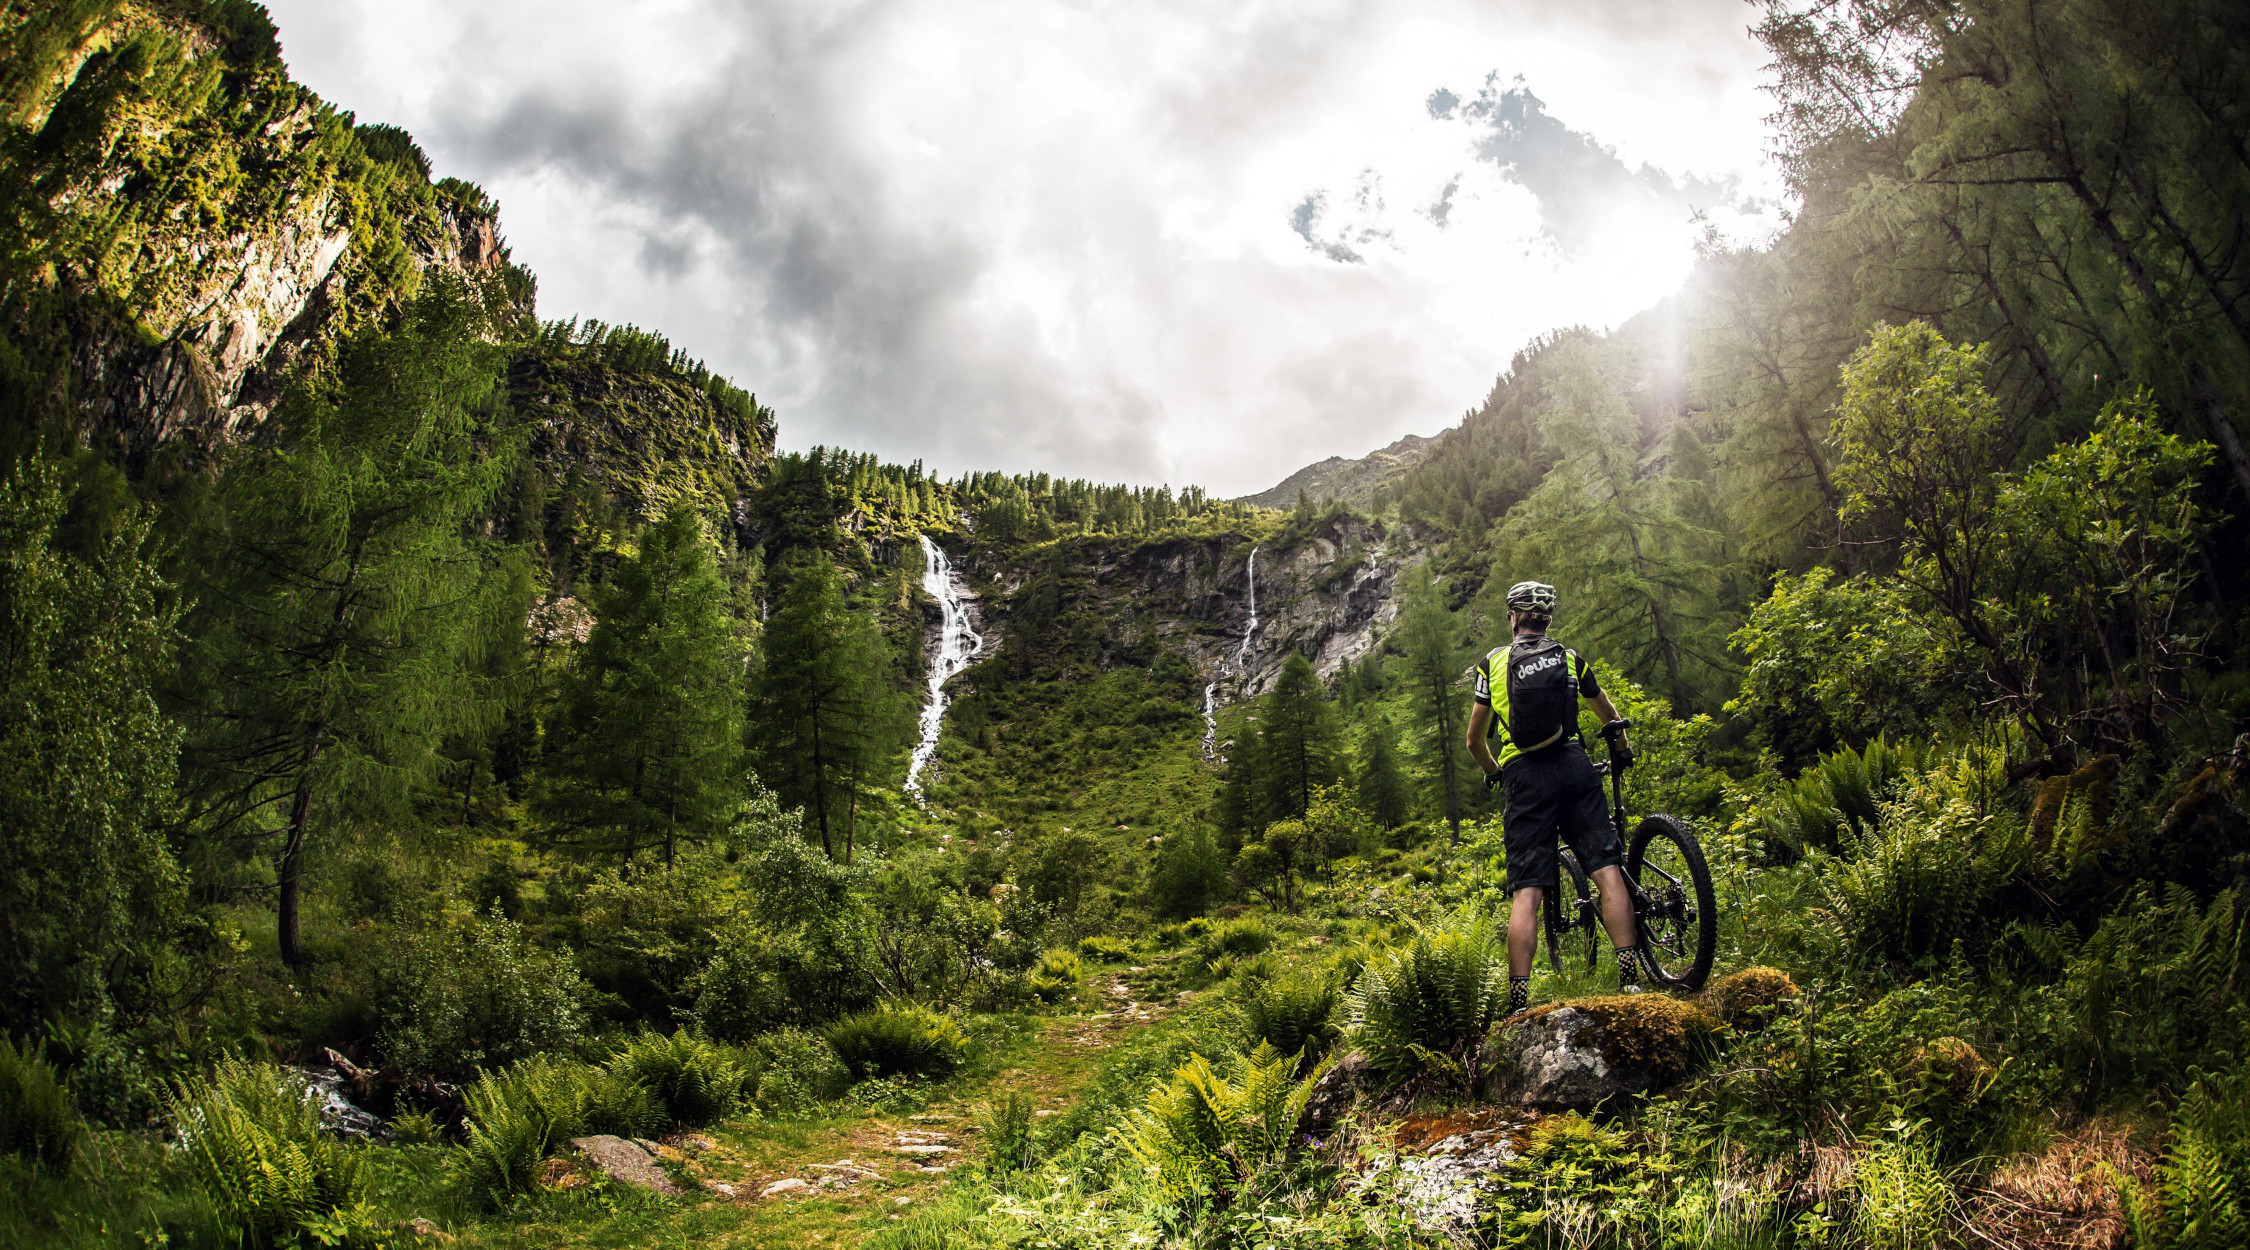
1168 241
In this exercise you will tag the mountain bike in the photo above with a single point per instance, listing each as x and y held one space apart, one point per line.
1674 913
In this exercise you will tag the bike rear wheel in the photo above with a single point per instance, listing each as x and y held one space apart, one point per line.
1570 916
1678 918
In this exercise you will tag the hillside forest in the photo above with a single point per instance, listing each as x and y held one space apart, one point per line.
442 740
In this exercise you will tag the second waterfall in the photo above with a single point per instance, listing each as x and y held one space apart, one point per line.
958 647
1241 657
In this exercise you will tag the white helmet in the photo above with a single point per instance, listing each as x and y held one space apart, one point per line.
1532 598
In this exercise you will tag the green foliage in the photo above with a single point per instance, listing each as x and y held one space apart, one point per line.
519 1116
1426 1007
89 891
1006 1129
2201 1196
1056 976
1105 950
795 1070
695 1081
38 1121
898 1040
1295 1012
822 713
1204 1134
645 748
1836 798
479 993
1237 938
2155 993
1903 1201
250 1141
1190 873
1573 1174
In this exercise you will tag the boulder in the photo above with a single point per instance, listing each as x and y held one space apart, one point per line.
1339 1088
1576 1055
785 1188
625 1161
1751 998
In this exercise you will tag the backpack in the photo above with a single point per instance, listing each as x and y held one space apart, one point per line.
1542 693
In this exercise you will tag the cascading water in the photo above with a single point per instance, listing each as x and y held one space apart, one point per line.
1241 656
958 647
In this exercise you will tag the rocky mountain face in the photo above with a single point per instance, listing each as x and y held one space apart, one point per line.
1325 590
1354 482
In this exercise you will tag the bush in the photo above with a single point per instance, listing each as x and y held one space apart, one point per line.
1576 1174
1835 799
794 1070
250 1143
519 1117
1190 874
1294 1013
695 1080
38 1121
1904 1200
1105 950
760 981
898 1041
453 1000
2201 1196
1908 890
1006 1125
1056 976
1201 1134
1244 935
1427 1006
2155 993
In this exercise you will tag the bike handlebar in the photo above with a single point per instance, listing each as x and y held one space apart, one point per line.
1616 727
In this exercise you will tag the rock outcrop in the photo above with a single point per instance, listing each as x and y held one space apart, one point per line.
630 1162
1577 1055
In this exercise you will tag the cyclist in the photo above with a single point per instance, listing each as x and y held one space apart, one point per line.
1527 701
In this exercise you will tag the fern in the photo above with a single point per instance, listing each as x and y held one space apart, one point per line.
696 1080
898 1041
2201 1197
250 1140
1202 1136
1427 1006
519 1117
38 1120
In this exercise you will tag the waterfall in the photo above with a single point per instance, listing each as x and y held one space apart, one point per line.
958 646
1241 658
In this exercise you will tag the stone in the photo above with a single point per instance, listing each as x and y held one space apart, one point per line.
1334 1094
1751 998
920 1150
426 1230
1577 1055
721 1188
785 1188
624 1161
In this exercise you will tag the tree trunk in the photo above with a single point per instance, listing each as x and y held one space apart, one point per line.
2222 429
292 871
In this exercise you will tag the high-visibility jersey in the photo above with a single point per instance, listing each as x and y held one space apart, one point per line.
1492 692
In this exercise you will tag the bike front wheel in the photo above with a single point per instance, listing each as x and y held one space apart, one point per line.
1677 917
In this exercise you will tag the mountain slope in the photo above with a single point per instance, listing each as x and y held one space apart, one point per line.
1350 482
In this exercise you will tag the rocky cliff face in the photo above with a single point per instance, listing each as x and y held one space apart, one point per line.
1354 482
187 226
1325 591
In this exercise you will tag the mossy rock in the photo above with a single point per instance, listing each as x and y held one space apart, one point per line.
1583 1052
1751 998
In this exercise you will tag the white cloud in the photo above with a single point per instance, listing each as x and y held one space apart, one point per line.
1015 234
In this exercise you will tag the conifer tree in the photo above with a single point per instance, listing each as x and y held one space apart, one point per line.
1382 790
648 738
1436 664
823 715
1300 740
344 595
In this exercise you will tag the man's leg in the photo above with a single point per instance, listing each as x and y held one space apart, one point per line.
1523 940
1617 917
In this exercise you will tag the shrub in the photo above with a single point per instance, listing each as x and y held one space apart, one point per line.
1908 890
456 999
794 1070
520 1116
2201 1196
760 981
1056 976
1006 1124
1202 1134
1572 1173
1904 1200
1751 998
2153 994
1105 950
1244 935
251 1144
1836 798
1190 874
1427 1006
1294 1013
696 1081
38 1121
903 1040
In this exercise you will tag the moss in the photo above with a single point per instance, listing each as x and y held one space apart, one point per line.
1749 999
1652 1033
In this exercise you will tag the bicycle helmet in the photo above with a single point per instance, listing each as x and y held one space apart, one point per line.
1532 598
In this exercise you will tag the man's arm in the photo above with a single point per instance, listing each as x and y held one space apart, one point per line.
1608 712
1480 725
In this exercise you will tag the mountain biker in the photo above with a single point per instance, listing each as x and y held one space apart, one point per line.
1527 701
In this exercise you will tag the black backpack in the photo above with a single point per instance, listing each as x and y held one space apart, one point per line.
1542 693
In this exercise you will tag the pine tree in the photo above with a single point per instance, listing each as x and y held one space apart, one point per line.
345 597
648 738
1300 740
823 715
1382 790
1436 664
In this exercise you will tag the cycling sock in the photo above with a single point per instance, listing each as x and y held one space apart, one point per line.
1519 994
1628 965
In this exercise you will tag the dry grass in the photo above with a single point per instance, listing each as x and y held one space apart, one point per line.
2064 1198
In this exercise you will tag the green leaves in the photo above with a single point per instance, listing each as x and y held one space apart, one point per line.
1428 1005
1204 1133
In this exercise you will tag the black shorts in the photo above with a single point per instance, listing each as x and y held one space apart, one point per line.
1556 793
